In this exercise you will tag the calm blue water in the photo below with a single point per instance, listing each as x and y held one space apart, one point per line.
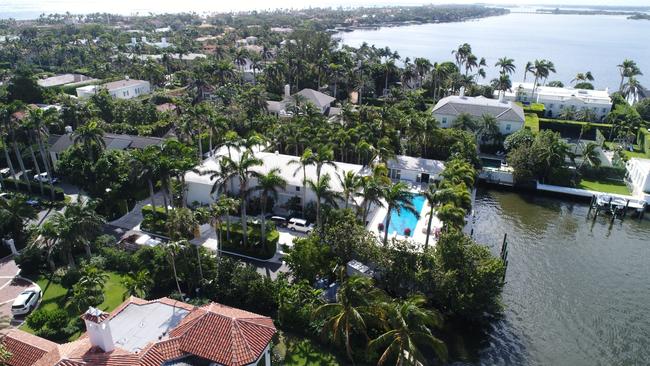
575 43
406 219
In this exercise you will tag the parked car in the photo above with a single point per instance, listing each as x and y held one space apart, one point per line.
279 221
300 225
44 178
5 172
26 301
33 202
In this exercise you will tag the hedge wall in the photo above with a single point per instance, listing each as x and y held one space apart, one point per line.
10 184
603 172
571 129
254 248
535 108
532 122
643 140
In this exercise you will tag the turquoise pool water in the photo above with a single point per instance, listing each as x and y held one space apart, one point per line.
406 219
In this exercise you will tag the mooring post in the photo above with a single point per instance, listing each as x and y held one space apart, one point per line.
627 205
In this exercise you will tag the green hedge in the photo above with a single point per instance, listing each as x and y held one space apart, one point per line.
154 221
10 184
603 172
573 127
535 108
643 140
532 122
254 247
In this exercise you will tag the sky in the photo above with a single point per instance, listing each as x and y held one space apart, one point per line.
17 7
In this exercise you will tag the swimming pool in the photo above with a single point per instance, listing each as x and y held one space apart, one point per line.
406 219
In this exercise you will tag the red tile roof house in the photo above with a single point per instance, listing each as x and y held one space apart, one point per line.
161 332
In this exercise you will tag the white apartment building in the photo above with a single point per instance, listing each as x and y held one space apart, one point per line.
121 89
638 176
556 99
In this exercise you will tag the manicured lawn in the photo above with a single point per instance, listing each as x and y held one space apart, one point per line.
305 352
54 296
604 186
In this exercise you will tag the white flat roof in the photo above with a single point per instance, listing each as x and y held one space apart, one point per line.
589 96
404 162
292 173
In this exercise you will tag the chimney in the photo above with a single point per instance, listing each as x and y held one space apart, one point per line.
98 329
287 91
126 77
144 39
462 92
133 41
68 129
502 95
163 40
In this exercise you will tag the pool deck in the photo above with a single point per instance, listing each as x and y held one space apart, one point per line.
419 234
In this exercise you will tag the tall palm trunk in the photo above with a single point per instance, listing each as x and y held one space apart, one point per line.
263 210
198 257
304 188
22 165
5 148
387 225
38 169
318 218
426 241
151 194
244 223
178 285
46 162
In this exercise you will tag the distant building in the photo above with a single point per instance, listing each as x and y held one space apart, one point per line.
111 140
414 170
162 44
510 116
64 80
121 89
638 176
162 332
557 99
320 100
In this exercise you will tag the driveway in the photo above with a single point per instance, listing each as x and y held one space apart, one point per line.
132 220
10 286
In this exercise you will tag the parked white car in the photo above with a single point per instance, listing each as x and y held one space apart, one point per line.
44 178
300 225
26 301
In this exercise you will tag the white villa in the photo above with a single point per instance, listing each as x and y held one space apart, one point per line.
509 115
415 171
638 176
121 89
64 80
556 99
162 44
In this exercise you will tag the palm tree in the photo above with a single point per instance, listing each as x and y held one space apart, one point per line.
590 155
137 284
570 113
465 122
502 83
92 277
241 170
350 182
541 69
434 197
268 184
507 65
224 207
583 77
461 54
86 222
488 129
528 69
323 156
173 249
324 194
14 213
398 198
628 68
145 166
408 327
306 159
350 313
631 89
89 135
451 216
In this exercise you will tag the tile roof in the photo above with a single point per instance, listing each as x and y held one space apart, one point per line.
478 106
240 336
228 336
26 349
113 141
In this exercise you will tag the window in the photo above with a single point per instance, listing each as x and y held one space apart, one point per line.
561 106
444 120
298 189
550 106
395 174
604 110
508 127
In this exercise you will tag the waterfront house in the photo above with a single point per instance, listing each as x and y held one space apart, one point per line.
156 333
510 116
414 170
402 168
121 89
556 99
111 140
638 176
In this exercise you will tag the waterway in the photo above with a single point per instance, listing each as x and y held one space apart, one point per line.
577 291
575 43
